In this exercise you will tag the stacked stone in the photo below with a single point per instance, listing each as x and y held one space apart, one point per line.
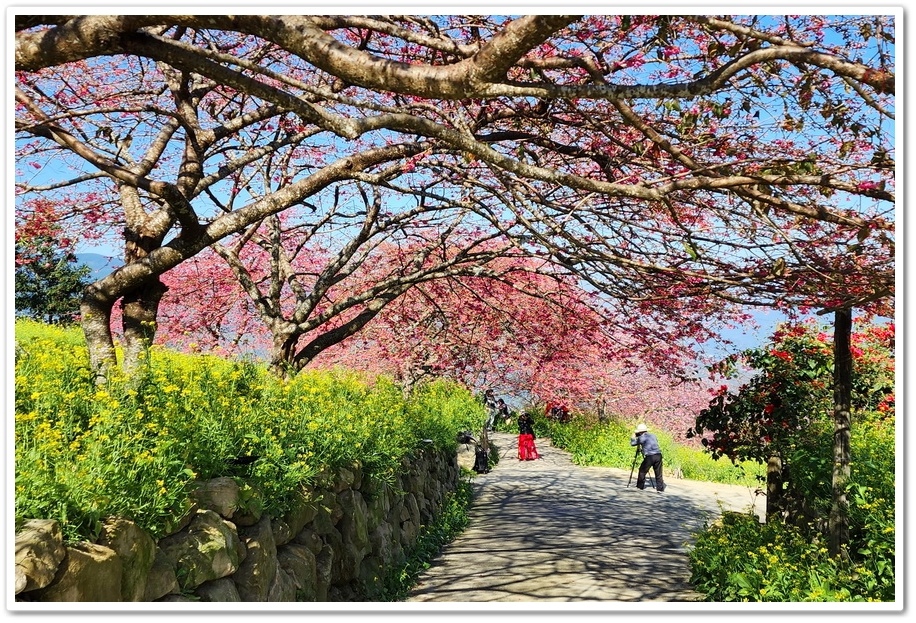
336 544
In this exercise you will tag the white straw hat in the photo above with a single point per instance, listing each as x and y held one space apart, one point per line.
641 428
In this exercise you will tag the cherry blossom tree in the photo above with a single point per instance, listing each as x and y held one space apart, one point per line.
747 157
205 309
533 337
162 226
311 295
520 328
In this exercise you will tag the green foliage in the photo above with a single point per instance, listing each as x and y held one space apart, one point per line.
786 410
134 448
738 559
872 505
61 335
769 414
791 392
49 286
599 444
460 411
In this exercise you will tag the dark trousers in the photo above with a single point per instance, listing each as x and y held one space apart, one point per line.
655 462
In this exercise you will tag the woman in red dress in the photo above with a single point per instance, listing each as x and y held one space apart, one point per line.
526 448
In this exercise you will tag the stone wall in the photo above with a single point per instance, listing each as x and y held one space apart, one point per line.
334 545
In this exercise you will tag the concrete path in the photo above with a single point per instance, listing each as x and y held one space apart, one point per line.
549 530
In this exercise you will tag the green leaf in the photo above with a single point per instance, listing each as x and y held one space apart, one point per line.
742 580
779 267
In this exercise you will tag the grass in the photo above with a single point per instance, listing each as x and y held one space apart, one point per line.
450 523
607 444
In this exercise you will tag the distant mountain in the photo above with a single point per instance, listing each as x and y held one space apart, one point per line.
100 265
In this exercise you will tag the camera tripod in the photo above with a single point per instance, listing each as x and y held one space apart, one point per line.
635 458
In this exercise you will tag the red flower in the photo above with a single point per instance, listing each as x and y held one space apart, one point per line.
781 354
886 404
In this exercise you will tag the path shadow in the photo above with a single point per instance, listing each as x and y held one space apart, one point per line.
549 530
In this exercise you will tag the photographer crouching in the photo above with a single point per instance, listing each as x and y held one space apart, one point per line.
651 457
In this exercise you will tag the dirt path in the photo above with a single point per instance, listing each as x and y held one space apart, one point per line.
549 530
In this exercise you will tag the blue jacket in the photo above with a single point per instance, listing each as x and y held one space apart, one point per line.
647 442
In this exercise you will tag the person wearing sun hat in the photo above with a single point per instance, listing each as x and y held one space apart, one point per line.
651 457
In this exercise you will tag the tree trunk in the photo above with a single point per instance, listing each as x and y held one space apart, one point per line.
282 357
774 488
842 398
95 312
140 308
338 334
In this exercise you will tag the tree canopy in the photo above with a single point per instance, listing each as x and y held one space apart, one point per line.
675 164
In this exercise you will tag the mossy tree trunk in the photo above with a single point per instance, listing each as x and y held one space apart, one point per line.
774 488
842 393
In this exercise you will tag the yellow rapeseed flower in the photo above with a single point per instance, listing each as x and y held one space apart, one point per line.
26 417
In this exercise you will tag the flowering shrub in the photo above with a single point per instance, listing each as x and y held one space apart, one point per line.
134 448
785 410
791 391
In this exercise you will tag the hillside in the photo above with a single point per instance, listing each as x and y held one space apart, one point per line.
101 265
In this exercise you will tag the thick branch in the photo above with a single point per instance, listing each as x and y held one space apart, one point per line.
185 246
177 202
